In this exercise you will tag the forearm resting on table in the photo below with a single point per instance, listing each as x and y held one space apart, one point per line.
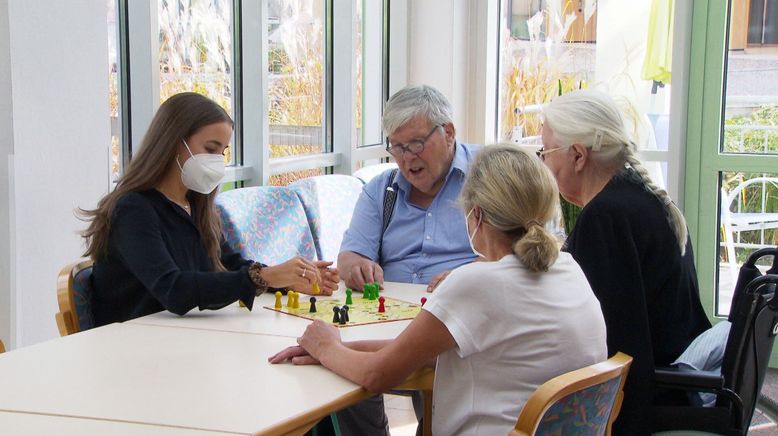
372 345
382 365
368 369
376 345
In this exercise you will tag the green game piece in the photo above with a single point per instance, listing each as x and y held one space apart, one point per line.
372 292
366 291
348 296
377 289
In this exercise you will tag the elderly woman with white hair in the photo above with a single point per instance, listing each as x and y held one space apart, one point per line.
630 240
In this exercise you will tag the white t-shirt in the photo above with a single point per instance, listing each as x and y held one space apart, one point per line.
514 329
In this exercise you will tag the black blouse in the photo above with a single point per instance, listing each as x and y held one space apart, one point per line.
648 291
156 261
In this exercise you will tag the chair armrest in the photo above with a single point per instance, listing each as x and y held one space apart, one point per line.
689 380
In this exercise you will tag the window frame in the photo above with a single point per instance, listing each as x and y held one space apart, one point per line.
139 88
704 158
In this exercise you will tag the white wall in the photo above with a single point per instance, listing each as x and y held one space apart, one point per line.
437 50
61 138
448 48
6 149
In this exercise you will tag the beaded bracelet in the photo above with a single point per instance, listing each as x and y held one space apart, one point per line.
255 273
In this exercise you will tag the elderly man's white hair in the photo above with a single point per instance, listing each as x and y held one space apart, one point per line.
413 101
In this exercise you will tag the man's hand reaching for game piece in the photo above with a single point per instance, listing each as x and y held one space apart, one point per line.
296 354
438 279
358 270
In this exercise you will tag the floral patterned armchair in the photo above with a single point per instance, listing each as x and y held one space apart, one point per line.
329 203
265 223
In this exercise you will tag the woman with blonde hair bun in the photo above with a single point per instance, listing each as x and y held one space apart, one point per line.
496 329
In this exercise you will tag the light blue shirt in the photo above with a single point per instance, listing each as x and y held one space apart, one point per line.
418 243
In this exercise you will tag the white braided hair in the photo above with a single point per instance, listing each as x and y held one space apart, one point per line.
592 118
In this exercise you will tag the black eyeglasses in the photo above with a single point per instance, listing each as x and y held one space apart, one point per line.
415 147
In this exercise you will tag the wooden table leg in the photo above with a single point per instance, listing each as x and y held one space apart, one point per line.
427 413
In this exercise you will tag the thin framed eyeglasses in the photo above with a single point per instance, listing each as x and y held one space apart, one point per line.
543 152
415 147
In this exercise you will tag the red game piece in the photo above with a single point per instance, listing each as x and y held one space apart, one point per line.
423 300
381 308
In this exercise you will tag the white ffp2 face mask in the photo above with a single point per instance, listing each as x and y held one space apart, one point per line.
469 236
202 172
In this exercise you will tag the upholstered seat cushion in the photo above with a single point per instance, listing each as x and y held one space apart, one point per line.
82 298
329 204
266 224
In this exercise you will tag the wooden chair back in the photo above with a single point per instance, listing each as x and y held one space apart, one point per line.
68 319
587 399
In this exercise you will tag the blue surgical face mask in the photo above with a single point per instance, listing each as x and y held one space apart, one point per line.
469 236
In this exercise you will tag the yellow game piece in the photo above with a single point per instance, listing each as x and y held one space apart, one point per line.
290 299
278 300
316 289
296 302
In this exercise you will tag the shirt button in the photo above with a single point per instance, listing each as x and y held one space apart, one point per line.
413 275
429 237
429 213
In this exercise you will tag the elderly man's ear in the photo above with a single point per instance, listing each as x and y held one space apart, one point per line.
451 131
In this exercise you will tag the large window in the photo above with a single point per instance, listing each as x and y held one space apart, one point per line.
278 79
195 51
371 77
296 82
734 177
116 150
552 47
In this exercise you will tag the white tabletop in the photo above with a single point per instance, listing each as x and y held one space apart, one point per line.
269 322
165 374
28 424
190 378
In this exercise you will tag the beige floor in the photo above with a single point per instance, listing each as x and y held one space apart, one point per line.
399 410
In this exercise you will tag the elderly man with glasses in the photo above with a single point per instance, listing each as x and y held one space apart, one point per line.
425 235
421 235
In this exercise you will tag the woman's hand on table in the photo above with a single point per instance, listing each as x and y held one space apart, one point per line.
318 337
296 354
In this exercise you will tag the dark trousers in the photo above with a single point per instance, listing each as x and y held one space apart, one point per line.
368 417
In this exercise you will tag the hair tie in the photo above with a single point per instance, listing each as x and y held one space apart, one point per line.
531 223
